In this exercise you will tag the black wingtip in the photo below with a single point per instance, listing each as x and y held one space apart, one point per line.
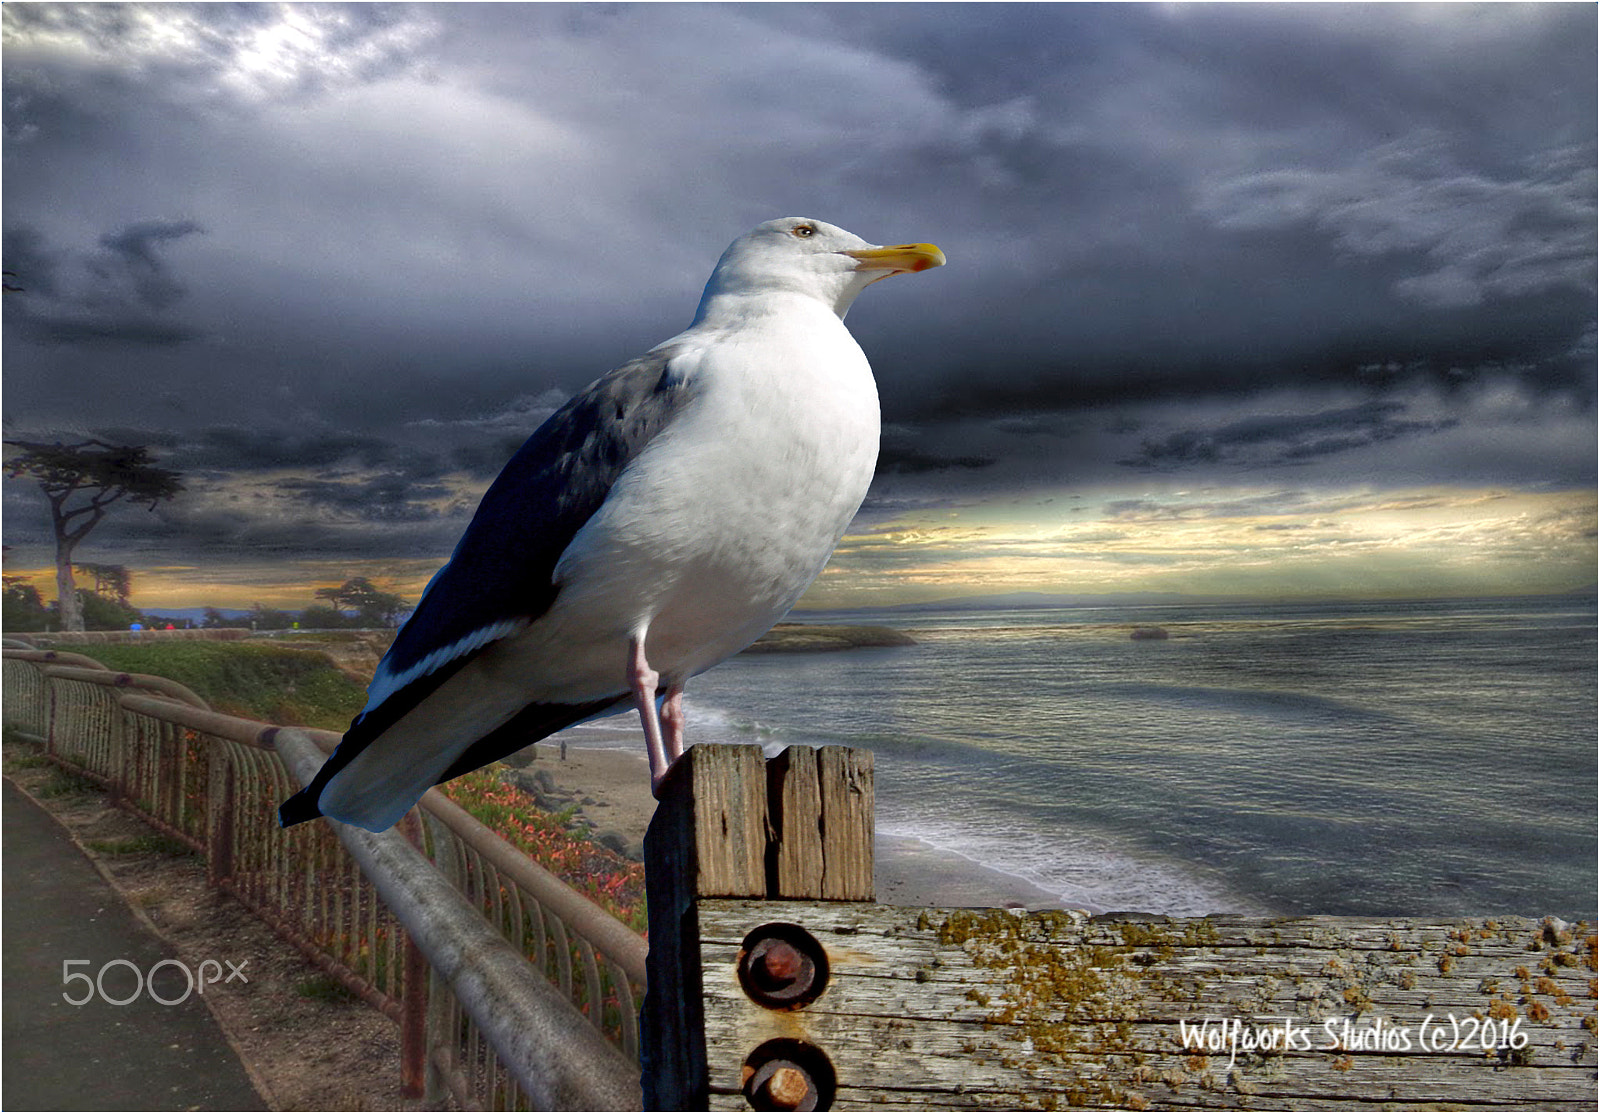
300 807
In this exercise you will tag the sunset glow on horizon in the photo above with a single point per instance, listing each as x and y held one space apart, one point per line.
1267 544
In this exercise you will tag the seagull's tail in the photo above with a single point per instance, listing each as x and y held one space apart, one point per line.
382 802
300 807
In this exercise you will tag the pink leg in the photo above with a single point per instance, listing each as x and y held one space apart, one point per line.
672 722
643 680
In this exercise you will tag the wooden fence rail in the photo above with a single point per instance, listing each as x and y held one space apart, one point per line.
782 985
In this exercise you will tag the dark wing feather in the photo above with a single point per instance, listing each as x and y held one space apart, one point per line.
502 567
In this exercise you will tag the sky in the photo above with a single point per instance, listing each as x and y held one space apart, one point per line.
1276 301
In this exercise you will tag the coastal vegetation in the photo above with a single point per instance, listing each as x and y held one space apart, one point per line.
610 880
253 679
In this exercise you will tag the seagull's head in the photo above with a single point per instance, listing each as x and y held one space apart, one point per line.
811 257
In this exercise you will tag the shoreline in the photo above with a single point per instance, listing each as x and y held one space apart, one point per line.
609 785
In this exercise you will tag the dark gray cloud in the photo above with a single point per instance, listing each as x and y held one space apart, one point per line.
1285 439
120 293
901 451
132 261
370 247
389 497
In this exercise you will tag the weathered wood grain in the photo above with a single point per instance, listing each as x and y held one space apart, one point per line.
989 1008
821 806
845 778
795 807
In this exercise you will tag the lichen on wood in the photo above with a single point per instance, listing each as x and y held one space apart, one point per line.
972 1008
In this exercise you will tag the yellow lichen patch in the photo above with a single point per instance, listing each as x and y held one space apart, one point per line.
1553 989
1357 998
1501 1010
1067 1001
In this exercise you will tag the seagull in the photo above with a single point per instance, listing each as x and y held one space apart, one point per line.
658 523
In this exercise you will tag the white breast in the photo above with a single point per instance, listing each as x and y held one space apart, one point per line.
718 527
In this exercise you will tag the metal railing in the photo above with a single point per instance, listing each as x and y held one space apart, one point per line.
511 989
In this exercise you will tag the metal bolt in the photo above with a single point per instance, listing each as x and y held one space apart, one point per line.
778 974
776 966
781 1085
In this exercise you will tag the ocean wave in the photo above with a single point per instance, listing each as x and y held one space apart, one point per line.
1080 871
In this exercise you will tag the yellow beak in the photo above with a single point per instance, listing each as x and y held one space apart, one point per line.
900 257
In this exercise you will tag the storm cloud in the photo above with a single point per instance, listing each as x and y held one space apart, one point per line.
336 261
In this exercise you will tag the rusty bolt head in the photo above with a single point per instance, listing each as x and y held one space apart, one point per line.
788 1088
775 965
778 974
781 1085
782 967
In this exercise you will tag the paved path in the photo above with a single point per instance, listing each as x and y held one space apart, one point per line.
98 1056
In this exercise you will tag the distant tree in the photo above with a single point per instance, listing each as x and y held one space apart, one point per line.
321 617
373 607
23 607
104 613
112 581
270 618
82 482
213 619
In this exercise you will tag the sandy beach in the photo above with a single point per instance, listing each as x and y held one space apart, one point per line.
610 787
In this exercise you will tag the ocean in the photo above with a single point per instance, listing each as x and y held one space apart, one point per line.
1372 758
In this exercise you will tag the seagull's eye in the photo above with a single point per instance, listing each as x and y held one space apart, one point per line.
803 230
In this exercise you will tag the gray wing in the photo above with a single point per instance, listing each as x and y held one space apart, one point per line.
499 578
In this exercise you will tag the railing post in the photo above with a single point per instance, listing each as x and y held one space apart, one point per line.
52 714
220 806
117 786
731 825
414 996
168 804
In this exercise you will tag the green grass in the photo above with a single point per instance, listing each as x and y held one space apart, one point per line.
276 684
322 636
324 988
65 783
152 843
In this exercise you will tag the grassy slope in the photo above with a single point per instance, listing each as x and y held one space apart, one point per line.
271 683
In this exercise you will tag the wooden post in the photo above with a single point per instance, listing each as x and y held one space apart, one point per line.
731 825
